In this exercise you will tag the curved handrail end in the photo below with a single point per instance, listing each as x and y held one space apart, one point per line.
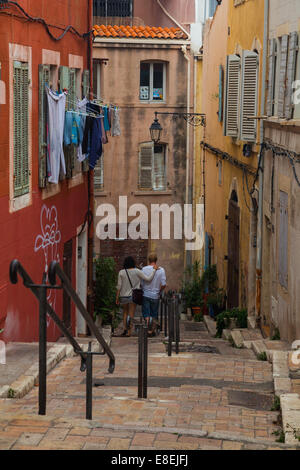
13 271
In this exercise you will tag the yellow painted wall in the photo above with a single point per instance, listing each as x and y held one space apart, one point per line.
230 31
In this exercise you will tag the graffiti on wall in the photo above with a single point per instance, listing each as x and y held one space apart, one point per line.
48 242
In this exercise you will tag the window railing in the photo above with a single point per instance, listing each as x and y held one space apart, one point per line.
112 8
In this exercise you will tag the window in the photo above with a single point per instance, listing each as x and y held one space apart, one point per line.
152 81
152 167
241 96
21 128
99 174
105 8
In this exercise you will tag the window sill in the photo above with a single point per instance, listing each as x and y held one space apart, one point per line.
20 202
50 190
147 102
100 193
284 122
75 180
153 193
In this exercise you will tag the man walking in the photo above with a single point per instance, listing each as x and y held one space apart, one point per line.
152 291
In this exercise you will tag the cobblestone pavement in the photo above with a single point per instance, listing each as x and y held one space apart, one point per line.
195 401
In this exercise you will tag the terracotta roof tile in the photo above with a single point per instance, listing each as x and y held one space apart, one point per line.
138 32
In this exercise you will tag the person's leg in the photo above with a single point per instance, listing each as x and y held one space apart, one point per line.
146 310
125 315
154 314
131 312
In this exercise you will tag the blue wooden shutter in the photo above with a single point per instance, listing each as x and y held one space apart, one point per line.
21 128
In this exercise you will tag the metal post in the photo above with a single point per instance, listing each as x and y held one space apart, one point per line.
177 325
145 361
170 335
42 350
89 382
140 361
166 316
161 314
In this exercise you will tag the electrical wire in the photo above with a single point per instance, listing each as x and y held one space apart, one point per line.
69 28
293 157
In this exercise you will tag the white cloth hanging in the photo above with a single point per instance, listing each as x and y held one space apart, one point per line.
56 123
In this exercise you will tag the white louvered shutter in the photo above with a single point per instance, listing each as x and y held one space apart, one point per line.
282 76
145 166
291 74
272 74
249 96
159 168
231 104
99 173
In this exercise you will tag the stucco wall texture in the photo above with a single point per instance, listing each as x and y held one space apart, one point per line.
121 154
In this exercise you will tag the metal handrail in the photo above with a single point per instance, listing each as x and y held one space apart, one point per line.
55 270
15 269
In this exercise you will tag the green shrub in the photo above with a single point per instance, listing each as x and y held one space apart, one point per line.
105 289
198 317
223 319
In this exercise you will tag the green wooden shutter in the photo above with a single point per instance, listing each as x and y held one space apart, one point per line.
85 83
21 128
44 79
291 74
232 96
249 96
145 166
221 85
282 77
272 75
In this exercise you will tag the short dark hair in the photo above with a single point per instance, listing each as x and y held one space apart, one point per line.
129 263
152 258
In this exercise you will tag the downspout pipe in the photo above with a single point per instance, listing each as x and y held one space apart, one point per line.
261 170
173 19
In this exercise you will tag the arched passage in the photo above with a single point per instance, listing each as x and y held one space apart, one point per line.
233 274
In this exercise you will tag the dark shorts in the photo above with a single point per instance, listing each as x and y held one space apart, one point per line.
150 307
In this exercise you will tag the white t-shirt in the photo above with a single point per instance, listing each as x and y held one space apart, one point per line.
136 276
152 289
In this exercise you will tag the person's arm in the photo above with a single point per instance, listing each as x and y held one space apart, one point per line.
144 277
163 281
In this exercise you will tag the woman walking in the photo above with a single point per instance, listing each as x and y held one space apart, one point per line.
130 278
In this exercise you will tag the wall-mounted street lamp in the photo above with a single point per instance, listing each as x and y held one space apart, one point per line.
194 119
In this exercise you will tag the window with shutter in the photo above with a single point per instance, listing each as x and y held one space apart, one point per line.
291 74
145 167
99 174
21 129
44 79
159 168
231 112
152 167
249 96
282 75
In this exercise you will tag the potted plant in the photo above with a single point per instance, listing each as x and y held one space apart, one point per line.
193 289
234 318
105 310
216 302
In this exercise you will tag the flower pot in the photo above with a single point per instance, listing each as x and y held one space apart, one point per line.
183 316
196 310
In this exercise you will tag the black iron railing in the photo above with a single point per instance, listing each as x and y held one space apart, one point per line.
40 292
110 8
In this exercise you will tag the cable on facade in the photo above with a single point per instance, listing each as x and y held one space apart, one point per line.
225 156
293 157
69 28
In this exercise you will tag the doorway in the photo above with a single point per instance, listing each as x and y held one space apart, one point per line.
233 275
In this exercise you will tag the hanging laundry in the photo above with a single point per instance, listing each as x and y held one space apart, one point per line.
115 124
56 123
104 136
106 119
92 139
81 108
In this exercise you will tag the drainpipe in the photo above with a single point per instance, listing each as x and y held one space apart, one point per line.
261 174
173 19
90 179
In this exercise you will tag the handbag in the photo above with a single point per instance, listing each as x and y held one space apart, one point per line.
137 294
